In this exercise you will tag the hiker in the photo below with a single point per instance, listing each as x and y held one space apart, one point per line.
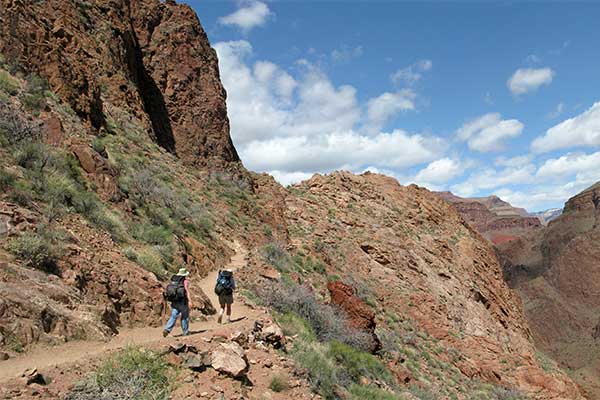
178 294
224 289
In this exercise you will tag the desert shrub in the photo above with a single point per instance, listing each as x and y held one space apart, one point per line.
7 179
163 205
321 369
356 364
501 393
275 254
34 96
358 392
152 234
8 84
40 250
32 155
14 127
98 145
423 393
134 373
279 383
151 260
130 253
327 322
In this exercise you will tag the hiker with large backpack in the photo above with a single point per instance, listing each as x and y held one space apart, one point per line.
224 289
178 294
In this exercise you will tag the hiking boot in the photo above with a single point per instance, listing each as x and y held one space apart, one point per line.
228 320
220 318
165 333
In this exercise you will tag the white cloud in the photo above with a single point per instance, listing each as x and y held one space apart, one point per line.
517 161
346 54
380 109
533 59
341 150
411 74
251 14
582 130
529 79
569 164
300 124
489 132
490 178
560 108
289 178
439 172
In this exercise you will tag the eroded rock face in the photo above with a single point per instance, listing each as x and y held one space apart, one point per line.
360 314
147 56
557 272
495 219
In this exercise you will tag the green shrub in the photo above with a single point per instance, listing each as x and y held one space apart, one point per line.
7 179
134 373
321 370
130 253
151 234
279 384
98 145
8 84
358 392
151 260
275 254
39 250
34 97
356 364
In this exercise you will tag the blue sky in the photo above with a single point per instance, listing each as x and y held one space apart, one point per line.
474 97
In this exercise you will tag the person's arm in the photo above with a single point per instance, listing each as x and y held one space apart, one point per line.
233 283
186 285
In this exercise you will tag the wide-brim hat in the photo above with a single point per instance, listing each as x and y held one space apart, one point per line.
183 272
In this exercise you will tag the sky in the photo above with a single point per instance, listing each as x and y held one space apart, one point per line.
477 98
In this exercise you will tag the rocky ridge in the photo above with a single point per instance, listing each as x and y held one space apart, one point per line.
494 218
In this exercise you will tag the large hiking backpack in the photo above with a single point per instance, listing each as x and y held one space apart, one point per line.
224 284
175 290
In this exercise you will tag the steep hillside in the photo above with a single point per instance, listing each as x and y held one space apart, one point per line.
494 218
556 271
430 286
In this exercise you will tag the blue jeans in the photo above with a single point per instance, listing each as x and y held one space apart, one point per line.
177 309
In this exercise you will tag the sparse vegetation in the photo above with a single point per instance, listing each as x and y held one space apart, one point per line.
40 250
8 84
134 373
279 383
327 322
34 96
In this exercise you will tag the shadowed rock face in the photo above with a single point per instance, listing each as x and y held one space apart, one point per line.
557 272
151 58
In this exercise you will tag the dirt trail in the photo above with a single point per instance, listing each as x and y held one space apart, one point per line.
44 357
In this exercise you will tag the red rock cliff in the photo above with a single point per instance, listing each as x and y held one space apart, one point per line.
151 57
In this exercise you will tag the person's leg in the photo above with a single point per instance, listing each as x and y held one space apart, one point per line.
185 320
228 312
222 310
171 321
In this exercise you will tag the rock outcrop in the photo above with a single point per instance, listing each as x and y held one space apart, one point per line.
415 257
494 218
556 272
150 57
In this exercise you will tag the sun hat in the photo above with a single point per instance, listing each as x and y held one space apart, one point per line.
183 272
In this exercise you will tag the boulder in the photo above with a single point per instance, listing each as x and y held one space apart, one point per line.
229 359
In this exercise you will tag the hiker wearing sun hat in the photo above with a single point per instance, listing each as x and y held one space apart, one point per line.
178 294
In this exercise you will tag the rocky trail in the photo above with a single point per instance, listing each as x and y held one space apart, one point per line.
44 357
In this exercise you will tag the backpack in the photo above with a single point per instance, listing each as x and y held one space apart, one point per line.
224 284
175 290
